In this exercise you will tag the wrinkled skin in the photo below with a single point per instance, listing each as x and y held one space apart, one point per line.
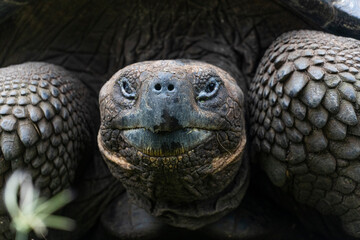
168 136
96 39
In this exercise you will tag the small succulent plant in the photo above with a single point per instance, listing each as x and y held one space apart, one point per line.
31 212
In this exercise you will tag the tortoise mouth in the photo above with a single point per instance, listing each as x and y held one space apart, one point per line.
163 144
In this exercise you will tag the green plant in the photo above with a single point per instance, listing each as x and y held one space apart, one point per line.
31 212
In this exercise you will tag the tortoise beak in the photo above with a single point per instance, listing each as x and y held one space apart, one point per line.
168 105
167 121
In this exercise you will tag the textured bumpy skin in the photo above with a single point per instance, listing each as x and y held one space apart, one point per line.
304 103
185 182
44 125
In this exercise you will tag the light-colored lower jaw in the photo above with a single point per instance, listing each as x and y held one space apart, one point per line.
217 163
117 159
188 214
196 214
167 143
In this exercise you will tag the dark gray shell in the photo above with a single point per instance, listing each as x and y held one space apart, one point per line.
341 17
104 30
8 8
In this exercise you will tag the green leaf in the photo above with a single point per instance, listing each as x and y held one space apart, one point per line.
58 222
55 203
29 211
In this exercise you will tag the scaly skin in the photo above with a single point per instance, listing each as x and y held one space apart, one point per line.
96 38
304 102
44 126
187 183
304 105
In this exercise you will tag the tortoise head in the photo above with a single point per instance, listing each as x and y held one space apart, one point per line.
174 133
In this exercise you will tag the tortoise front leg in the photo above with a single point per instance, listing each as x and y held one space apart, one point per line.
44 126
304 103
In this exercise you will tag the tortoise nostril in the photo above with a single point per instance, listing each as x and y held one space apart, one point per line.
171 87
157 87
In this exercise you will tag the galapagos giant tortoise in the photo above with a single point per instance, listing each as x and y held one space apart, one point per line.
178 137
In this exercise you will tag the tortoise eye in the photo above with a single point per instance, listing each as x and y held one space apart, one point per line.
126 89
210 89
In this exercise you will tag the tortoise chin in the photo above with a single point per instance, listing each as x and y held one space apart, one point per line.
164 144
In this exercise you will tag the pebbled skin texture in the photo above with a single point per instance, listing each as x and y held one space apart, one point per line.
304 103
44 125
197 185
